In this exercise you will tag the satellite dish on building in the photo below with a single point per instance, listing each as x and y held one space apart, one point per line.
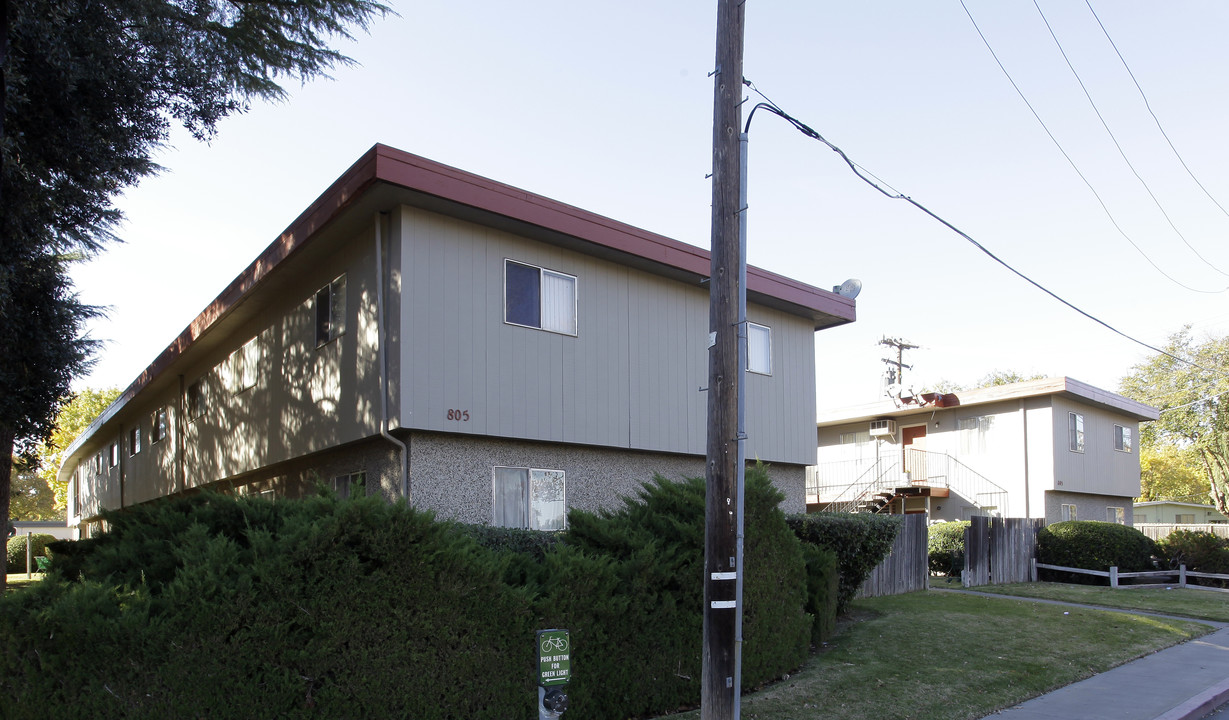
850 288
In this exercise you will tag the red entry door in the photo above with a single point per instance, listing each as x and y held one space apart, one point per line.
914 438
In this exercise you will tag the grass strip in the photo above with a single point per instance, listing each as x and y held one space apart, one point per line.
1206 604
948 656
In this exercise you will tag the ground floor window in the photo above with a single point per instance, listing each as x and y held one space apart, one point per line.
530 498
1068 512
350 485
1116 515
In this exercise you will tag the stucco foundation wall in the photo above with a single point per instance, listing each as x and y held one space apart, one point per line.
452 475
1087 506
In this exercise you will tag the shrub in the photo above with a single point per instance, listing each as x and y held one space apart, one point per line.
1200 551
16 550
311 608
945 547
1093 545
823 590
860 540
629 585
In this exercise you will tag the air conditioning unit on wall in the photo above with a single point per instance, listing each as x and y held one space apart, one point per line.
881 428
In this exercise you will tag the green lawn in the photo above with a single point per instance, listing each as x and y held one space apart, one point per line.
947 656
1207 604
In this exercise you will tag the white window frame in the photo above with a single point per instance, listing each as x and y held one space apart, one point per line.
1123 441
973 433
158 426
345 485
759 349
1116 515
1068 512
196 398
134 440
541 492
1075 432
549 288
329 309
1180 518
113 454
244 367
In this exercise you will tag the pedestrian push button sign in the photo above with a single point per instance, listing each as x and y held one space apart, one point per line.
554 657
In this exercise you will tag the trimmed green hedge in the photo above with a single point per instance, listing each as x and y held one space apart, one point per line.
210 606
1199 550
945 547
16 550
860 540
1092 545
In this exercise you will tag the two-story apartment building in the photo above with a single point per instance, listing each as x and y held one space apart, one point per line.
1055 448
486 353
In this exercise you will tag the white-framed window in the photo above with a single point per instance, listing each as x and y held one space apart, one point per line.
973 433
1116 515
113 454
1184 518
759 349
331 311
539 298
1139 518
1122 438
530 498
1075 432
157 429
243 366
1068 512
197 398
134 440
350 485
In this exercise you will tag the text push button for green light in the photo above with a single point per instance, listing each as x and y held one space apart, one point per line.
554 657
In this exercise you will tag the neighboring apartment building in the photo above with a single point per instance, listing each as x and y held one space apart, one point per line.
1055 448
1177 513
488 354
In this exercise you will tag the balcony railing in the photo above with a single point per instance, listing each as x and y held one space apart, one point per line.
843 486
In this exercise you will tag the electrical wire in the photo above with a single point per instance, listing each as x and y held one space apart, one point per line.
805 129
1062 51
1075 167
1148 105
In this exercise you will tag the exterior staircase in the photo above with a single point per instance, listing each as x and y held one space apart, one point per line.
876 485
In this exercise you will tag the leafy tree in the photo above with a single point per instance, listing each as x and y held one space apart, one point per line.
72 420
32 498
1169 472
91 90
1004 377
1189 382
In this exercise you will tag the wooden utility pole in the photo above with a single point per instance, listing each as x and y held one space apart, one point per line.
719 683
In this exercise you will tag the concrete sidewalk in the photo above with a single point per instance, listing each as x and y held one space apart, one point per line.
1184 682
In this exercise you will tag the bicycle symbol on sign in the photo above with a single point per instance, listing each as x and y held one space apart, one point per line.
555 644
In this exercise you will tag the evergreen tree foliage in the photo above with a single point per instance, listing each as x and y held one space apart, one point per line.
91 90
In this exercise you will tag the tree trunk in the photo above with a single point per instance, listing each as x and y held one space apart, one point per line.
6 477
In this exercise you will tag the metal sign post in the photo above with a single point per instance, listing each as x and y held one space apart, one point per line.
554 649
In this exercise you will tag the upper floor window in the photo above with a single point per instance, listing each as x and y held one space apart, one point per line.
1122 438
196 399
331 311
530 498
759 349
157 430
539 298
113 454
973 433
134 440
1075 432
243 366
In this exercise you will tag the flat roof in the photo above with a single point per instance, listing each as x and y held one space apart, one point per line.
386 176
1062 386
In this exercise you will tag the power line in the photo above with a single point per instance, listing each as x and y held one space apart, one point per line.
1117 145
1148 105
1075 167
805 129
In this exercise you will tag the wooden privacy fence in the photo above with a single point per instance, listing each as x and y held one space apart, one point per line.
1158 531
904 569
1000 550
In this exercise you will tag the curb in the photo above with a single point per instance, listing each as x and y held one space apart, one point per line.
1200 705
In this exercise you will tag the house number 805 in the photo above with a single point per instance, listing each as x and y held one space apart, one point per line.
458 415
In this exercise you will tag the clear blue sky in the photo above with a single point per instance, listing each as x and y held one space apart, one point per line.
609 108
